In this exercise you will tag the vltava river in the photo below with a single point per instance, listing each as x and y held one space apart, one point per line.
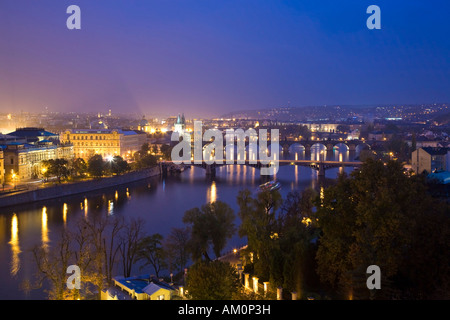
160 202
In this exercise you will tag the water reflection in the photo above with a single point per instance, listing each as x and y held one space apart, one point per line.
85 207
44 232
211 195
168 199
65 213
15 248
110 207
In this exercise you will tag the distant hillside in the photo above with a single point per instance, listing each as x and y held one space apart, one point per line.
443 119
302 113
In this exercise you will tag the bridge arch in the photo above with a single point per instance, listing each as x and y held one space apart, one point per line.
341 147
318 146
296 148
362 146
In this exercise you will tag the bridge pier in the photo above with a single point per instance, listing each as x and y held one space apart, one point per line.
321 170
163 169
211 170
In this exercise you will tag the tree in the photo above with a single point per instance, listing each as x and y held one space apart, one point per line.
129 244
56 167
52 266
375 217
151 252
176 248
86 247
147 161
154 148
260 226
78 167
166 151
119 165
212 280
96 166
211 226
296 258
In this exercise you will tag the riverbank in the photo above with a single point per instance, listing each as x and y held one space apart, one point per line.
62 190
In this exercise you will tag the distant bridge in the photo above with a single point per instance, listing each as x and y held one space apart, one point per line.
319 165
285 145
329 144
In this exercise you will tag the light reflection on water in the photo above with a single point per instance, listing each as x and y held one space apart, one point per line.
160 202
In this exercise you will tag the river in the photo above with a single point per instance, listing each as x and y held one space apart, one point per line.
160 202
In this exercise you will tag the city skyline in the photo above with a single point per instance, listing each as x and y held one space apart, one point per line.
208 58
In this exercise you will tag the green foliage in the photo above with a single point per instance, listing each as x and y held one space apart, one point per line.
380 216
176 247
399 148
118 165
96 166
143 158
57 168
211 226
151 252
79 167
147 161
279 237
212 280
166 151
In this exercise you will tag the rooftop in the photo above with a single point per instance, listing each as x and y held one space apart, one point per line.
31 132
436 151
143 284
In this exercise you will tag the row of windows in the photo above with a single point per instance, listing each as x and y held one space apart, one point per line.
34 158
88 137
81 155
109 144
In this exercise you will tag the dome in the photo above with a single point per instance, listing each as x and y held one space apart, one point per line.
143 122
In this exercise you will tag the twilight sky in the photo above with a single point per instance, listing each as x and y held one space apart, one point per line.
209 57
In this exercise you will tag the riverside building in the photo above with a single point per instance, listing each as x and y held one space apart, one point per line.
104 142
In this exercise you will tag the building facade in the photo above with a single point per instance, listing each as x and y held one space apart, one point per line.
2 167
142 287
104 142
24 161
430 159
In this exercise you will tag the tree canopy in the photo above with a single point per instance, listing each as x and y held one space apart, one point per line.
211 226
379 216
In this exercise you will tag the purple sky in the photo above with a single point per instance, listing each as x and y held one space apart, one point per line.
209 57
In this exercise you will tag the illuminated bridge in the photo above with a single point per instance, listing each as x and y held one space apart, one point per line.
319 165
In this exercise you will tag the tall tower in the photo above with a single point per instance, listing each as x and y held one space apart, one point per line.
180 125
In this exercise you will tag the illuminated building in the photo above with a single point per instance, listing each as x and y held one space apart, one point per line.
2 167
104 142
430 159
180 125
144 125
23 161
144 287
